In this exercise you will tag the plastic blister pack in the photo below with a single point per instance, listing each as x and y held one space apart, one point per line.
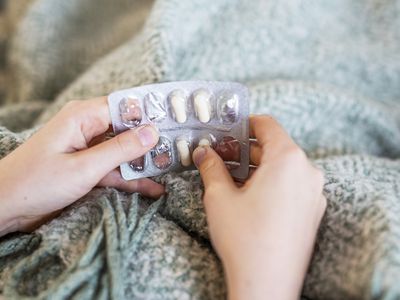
187 114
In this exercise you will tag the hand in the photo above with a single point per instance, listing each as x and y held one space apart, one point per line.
264 231
56 166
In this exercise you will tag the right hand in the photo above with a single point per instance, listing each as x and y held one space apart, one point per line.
264 231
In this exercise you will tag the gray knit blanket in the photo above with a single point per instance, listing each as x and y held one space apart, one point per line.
329 71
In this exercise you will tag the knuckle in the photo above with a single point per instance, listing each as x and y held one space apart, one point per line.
294 156
124 144
70 112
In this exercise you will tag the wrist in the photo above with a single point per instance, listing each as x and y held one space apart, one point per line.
271 270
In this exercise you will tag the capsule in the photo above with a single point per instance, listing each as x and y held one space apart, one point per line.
178 105
130 111
207 140
183 147
155 107
202 105
161 154
204 142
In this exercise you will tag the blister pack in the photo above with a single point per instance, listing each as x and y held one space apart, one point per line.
187 114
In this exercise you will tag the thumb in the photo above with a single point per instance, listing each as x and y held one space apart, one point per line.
124 147
215 175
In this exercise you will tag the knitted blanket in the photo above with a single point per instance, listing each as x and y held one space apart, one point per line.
329 71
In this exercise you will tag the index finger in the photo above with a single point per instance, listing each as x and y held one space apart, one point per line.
91 117
94 117
270 135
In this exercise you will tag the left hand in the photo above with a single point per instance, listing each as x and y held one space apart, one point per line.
58 165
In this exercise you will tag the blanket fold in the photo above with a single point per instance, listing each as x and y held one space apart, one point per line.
329 71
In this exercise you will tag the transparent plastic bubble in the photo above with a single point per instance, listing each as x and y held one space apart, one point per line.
138 164
131 113
202 99
228 107
178 102
228 149
183 147
161 154
155 107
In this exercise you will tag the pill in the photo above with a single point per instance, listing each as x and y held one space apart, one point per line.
178 104
204 142
161 154
183 147
155 107
228 107
138 164
207 140
130 111
202 105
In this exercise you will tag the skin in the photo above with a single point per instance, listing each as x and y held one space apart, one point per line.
56 166
264 230
260 228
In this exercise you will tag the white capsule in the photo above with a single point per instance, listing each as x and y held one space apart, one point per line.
178 103
204 142
184 152
202 105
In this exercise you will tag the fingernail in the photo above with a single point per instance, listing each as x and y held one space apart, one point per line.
198 155
147 135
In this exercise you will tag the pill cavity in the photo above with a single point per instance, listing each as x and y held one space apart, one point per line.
228 107
131 113
178 102
228 148
155 107
202 105
161 154
183 147
138 164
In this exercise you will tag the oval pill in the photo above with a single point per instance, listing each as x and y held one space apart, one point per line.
204 142
178 104
184 152
202 105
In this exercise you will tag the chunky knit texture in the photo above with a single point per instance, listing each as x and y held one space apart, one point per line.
329 71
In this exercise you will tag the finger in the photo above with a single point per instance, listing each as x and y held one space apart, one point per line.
77 123
215 175
125 147
267 130
271 137
144 186
91 116
102 137
240 182
255 153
